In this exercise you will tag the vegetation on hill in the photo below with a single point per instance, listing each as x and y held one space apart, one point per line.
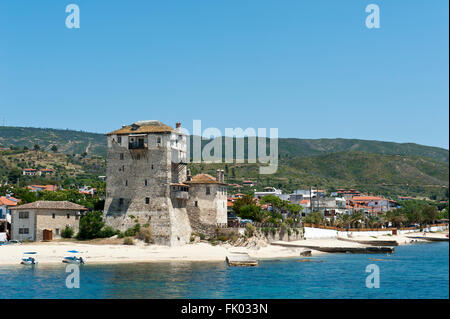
383 168
70 171
78 142
385 175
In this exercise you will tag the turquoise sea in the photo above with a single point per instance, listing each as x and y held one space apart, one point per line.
413 271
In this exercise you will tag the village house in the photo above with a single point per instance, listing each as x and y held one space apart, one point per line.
46 171
39 188
248 183
268 191
29 172
44 219
371 204
6 203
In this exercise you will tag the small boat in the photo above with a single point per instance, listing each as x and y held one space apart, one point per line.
73 259
29 260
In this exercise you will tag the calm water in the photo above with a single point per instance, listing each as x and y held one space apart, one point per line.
414 271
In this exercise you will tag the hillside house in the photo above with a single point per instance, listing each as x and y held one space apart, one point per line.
29 172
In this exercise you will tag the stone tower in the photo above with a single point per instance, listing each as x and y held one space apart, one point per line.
146 168
207 203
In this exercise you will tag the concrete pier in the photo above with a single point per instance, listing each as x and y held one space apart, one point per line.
241 259
345 247
371 242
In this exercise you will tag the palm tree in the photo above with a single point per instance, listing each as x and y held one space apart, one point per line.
395 217
343 221
356 218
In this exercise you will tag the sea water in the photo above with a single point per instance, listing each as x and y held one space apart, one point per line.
413 271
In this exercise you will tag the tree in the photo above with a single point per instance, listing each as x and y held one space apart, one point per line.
90 225
430 214
36 147
54 148
314 218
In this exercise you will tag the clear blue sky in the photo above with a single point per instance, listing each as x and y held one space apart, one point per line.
308 67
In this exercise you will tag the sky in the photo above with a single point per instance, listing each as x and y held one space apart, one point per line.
310 68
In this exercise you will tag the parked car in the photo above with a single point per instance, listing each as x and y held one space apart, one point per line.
243 222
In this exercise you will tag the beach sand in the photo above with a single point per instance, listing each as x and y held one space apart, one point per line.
112 251
53 252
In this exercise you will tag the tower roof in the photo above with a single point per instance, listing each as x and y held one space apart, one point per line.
143 127
203 179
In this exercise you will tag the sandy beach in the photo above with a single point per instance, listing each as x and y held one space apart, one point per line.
53 252
92 252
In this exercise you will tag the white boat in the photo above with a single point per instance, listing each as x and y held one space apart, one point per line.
29 258
73 259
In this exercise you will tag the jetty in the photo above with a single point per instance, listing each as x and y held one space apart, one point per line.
431 237
336 247
371 242
241 259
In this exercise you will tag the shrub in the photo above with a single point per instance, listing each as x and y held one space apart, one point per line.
67 232
249 229
128 241
107 232
202 236
132 231
146 235
90 225
273 230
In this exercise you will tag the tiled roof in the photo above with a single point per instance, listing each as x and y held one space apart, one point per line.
203 179
367 198
7 201
143 127
51 188
44 204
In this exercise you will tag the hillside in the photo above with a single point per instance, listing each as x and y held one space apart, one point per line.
377 167
389 175
67 141
77 142
68 170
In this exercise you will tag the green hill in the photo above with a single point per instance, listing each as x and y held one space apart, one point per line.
78 142
385 168
67 141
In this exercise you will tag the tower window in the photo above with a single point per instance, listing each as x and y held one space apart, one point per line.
147 200
119 139
126 182
121 156
196 203
68 216
120 201
208 190
145 183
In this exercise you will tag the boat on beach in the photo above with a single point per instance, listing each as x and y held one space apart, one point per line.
29 258
73 259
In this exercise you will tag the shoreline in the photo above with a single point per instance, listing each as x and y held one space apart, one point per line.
51 253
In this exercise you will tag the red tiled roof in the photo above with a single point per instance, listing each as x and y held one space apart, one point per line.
367 198
8 201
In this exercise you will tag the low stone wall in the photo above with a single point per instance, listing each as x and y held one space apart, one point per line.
269 236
